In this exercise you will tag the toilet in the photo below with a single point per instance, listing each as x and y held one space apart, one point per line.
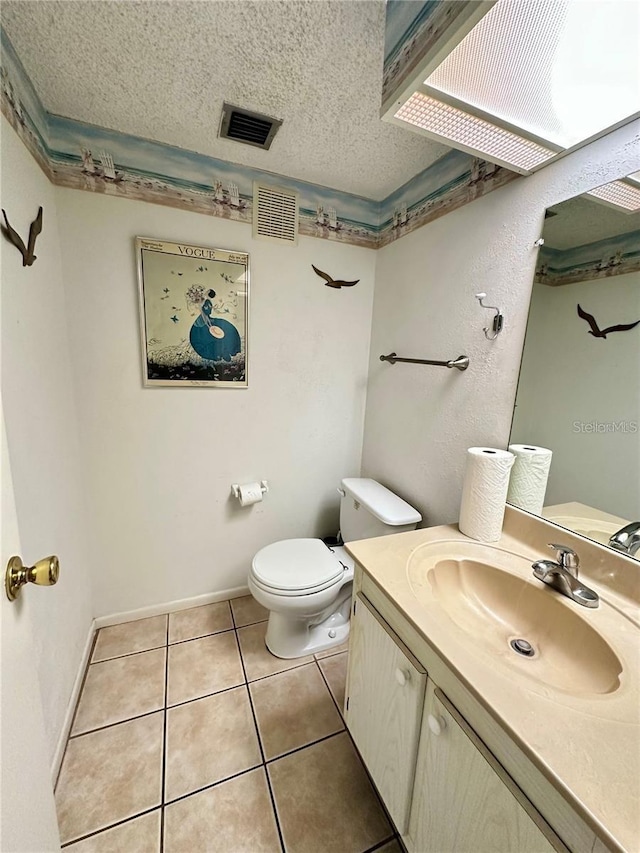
306 585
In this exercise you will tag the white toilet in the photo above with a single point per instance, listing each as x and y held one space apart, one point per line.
306 585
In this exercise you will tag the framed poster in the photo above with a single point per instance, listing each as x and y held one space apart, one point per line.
194 314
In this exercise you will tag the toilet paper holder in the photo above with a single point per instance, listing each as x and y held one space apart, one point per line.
235 488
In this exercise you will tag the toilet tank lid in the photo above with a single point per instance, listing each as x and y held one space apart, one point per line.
387 507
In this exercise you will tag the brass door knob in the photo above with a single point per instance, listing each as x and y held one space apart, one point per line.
45 573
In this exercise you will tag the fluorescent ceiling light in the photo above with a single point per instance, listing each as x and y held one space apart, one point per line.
619 194
473 132
554 72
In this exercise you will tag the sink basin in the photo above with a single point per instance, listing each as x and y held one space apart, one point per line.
586 520
492 606
599 531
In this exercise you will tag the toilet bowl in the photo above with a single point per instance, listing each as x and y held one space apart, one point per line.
307 586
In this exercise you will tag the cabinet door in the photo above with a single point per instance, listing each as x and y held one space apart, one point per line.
464 801
384 707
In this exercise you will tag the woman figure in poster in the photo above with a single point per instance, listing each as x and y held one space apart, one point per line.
212 337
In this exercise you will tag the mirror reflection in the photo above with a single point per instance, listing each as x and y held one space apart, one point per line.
579 388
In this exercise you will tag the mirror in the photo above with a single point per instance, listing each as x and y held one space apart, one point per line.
579 388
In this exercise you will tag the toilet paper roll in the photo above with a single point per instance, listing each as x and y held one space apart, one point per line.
484 492
249 493
529 476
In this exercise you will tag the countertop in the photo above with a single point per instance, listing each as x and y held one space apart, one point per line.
588 746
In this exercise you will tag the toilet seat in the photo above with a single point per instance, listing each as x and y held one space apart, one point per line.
296 567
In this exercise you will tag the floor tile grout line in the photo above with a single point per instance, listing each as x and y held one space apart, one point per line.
233 615
249 624
274 806
346 729
164 738
215 784
110 826
326 681
79 735
264 763
374 787
164 706
273 760
380 844
281 671
205 695
329 654
127 654
75 710
201 636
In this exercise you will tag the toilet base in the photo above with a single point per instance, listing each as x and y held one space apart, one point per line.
295 638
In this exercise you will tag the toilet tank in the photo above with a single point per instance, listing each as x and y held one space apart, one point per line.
368 509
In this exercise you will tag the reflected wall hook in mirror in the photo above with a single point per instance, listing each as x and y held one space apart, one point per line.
497 323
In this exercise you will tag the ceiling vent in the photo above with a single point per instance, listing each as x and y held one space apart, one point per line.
275 213
248 127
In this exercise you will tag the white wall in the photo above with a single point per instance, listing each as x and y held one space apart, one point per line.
570 381
159 462
42 433
420 420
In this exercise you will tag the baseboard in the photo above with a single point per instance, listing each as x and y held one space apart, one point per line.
169 607
71 707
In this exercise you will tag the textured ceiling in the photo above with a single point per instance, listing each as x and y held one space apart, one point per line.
582 220
161 70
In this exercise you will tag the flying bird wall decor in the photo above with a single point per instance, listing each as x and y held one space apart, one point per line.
12 235
602 333
332 282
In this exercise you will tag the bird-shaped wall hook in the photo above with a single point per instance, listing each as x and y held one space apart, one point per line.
602 333
331 282
12 235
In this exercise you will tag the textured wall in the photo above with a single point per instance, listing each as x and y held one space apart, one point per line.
159 462
585 380
420 420
42 432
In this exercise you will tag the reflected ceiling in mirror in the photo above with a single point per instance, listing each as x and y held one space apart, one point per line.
579 387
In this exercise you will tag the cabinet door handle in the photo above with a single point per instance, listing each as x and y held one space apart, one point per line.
402 677
436 724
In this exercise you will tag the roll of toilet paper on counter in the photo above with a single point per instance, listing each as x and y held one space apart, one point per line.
484 492
250 493
529 476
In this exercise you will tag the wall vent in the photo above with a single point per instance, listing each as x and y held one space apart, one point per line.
275 213
248 127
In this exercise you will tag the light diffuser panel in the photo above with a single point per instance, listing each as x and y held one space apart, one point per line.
562 70
493 142
620 194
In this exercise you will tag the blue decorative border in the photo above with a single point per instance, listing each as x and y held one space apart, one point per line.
452 181
86 157
412 29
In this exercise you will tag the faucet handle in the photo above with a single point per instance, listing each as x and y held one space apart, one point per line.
566 557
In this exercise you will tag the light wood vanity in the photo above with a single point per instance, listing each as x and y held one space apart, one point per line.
468 757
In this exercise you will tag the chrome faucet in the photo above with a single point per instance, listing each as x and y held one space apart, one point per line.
627 539
562 576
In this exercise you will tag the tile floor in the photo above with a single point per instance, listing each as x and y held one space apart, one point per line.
189 737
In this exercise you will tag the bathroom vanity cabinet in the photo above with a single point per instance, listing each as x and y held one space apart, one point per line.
463 799
384 710
446 786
